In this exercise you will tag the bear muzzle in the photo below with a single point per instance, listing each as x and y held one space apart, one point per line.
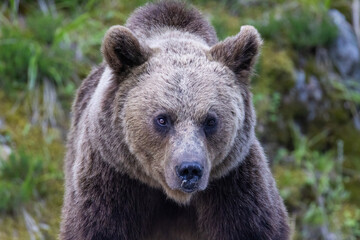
187 174
190 174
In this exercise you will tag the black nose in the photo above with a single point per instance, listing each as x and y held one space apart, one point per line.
189 170
189 173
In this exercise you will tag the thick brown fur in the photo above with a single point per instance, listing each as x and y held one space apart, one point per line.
152 18
120 165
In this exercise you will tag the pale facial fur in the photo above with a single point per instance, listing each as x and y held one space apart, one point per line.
187 94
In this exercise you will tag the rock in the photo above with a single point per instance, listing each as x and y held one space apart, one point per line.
344 52
5 152
310 93
2 123
301 85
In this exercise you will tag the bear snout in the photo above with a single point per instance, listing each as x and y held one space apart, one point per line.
189 173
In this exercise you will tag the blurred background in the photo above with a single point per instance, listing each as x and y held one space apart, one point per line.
306 93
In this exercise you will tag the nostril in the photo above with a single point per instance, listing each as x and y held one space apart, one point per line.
184 172
190 171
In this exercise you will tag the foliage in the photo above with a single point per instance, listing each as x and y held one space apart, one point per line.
225 26
307 31
276 77
303 26
21 178
322 190
33 55
32 58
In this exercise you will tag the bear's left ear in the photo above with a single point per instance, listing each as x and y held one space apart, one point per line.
239 53
121 49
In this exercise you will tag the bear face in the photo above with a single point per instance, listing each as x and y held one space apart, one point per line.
181 120
191 119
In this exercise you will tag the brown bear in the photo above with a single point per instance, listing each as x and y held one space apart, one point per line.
162 142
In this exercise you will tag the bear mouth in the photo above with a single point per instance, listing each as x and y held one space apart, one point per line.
189 186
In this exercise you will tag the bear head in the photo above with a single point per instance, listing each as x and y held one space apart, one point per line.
182 108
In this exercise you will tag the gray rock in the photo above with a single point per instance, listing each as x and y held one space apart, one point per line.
344 52
309 93
2 123
5 152
300 85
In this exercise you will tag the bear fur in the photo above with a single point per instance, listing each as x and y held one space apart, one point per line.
168 94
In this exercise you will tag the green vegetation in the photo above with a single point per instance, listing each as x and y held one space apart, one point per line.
318 181
20 179
35 54
302 25
306 112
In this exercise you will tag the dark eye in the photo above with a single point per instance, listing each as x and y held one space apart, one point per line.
210 125
162 123
211 122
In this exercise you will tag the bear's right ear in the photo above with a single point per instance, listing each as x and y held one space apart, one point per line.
121 49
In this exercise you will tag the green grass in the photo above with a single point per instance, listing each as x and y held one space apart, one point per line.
318 181
21 179
302 26
33 54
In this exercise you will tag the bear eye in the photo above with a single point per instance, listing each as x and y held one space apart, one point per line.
211 122
162 123
210 125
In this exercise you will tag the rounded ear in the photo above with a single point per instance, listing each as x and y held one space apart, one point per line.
239 52
122 50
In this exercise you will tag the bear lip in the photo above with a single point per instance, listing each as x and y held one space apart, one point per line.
188 186
188 190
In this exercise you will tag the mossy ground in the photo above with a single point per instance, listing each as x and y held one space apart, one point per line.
31 139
